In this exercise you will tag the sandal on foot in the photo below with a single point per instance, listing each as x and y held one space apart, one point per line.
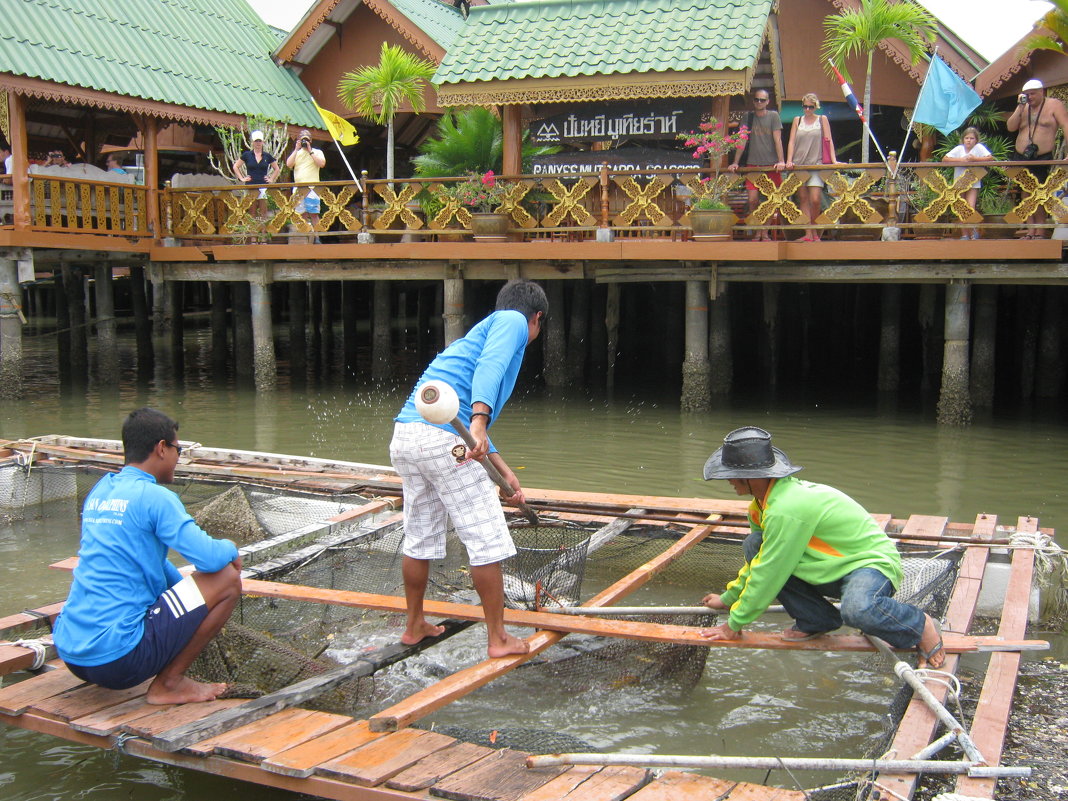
807 239
926 656
794 634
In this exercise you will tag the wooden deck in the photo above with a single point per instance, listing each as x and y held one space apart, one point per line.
274 741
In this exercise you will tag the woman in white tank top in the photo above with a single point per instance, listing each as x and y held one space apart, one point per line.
806 148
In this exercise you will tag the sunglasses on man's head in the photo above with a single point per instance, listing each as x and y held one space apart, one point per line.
56 155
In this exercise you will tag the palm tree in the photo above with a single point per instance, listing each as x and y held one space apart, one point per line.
1051 33
470 141
378 92
860 31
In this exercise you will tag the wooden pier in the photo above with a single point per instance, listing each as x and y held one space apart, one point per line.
274 741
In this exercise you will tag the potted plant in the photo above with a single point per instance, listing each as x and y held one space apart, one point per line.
484 195
710 215
994 205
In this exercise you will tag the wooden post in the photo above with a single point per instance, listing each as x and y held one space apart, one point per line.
315 319
611 322
604 194
578 332
771 325
298 336
555 347
220 294
954 402
176 314
11 369
151 129
350 316
512 132
890 339
142 324
928 334
984 335
381 333
74 289
107 347
265 368
453 313
1049 376
20 162
241 303
695 367
721 363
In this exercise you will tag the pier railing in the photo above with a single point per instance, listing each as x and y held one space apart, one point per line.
860 202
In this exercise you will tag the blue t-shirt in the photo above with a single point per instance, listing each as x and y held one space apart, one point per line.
481 366
257 170
128 524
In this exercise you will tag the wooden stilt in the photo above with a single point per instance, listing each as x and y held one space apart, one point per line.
890 339
954 403
695 365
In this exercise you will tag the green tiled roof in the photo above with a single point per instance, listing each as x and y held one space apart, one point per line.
566 38
440 22
204 54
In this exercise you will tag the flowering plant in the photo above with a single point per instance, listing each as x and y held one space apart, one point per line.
714 141
482 193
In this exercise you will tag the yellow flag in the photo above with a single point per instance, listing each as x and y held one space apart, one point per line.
340 128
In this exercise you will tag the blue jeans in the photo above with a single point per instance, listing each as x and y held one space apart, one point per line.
867 604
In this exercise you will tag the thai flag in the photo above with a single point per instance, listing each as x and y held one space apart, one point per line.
847 93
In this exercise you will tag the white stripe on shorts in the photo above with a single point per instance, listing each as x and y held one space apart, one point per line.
183 597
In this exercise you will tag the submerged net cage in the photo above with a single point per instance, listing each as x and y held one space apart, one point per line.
322 540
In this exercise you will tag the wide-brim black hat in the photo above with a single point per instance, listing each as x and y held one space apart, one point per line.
748 453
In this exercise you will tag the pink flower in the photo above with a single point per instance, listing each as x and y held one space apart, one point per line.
489 179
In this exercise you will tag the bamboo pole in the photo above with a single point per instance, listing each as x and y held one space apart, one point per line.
775 763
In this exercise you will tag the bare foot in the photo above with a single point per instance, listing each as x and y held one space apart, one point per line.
184 690
509 647
932 653
419 632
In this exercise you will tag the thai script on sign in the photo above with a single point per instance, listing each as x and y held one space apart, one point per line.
613 122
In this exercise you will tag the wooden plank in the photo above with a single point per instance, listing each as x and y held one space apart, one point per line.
465 681
283 734
14 658
919 723
301 760
384 758
438 765
244 734
109 721
924 527
181 735
991 719
675 785
503 776
17 698
27 621
589 783
85 700
164 717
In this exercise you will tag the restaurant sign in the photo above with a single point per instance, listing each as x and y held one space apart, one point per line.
622 159
603 122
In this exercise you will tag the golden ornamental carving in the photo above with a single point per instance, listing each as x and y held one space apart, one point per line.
948 196
86 197
39 217
190 212
397 206
511 205
72 205
239 204
5 115
336 208
290 207
642 201
568 202
576 94
849 196
1035 195
450 208
778 199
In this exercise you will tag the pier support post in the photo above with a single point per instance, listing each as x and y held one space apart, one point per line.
578 333
142 324
453 314
721 364
381 333
74 289
241 301
771 324
927 316
175 312
1049 377
264 367
611 324
889 379
984 335
954 402
107 361
11 368
695 367
555 346
298 333
220 294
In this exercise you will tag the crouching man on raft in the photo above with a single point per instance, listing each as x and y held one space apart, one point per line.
810 542
130 614
442 483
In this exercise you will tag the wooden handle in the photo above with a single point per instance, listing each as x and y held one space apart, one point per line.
493 472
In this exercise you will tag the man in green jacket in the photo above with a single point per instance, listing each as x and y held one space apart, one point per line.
810 542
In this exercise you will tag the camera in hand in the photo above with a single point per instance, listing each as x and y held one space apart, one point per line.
1030 152
1021 98
305 143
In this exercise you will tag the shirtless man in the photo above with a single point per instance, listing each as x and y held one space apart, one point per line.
1036 121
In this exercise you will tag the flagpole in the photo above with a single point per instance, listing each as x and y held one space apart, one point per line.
356 180
916 105
861 112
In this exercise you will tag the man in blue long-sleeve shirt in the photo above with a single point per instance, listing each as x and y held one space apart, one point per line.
439 486
130 614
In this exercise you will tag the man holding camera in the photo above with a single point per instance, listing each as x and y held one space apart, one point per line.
1036 120
306 161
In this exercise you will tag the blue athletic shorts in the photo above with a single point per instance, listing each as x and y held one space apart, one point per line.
311 203
169 625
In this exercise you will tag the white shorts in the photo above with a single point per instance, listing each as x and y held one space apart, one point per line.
437 489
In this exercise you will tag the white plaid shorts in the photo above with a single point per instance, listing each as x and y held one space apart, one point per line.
437 488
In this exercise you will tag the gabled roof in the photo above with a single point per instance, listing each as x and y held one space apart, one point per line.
569 38
212 55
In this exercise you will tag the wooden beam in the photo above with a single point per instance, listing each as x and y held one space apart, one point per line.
991 719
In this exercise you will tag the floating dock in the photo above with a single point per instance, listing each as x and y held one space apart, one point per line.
277 740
